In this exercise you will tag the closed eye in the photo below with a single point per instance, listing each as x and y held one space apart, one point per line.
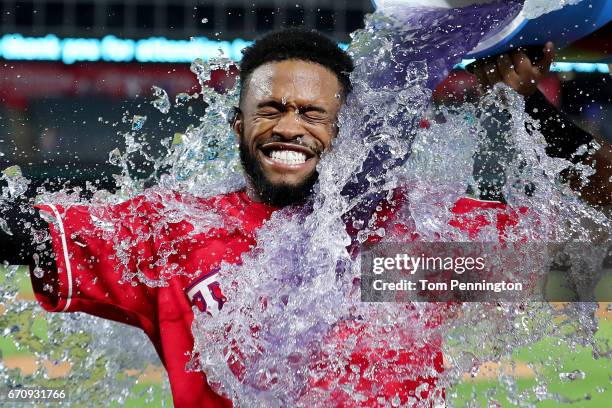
316 118
268 112
315 115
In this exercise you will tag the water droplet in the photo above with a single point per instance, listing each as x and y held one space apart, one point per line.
38 272
114 157
138 122
178 138
181 98
12 171
161 101
573 375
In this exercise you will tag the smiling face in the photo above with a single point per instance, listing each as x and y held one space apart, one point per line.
288 118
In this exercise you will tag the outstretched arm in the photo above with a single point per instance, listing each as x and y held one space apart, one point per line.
563 137
564 140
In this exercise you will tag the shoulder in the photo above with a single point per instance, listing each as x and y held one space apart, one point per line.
184 213
471 215
152 207
162 202
468 215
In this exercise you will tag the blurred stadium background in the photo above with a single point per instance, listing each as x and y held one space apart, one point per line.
60 73
71 68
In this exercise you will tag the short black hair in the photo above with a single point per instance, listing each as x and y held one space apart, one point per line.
297 44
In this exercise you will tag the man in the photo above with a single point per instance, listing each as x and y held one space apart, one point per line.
293 84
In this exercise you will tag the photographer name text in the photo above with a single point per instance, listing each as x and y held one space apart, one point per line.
458 265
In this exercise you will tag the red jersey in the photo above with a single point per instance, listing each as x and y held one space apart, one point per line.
150 239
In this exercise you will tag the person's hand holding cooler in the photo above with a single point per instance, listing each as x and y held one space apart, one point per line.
521 69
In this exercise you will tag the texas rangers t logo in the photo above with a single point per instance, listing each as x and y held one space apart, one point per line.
205 293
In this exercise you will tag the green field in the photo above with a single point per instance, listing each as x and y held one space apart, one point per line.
594 390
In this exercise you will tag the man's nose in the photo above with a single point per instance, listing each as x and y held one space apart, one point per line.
289 126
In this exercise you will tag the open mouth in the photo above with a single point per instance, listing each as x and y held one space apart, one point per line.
287 153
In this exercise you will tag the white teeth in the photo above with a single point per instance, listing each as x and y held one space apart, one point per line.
288 156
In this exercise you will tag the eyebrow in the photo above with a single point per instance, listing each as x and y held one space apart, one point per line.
281 107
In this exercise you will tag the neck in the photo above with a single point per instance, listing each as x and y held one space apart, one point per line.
252 192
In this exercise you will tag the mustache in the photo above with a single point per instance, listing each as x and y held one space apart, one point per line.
316 150
276 194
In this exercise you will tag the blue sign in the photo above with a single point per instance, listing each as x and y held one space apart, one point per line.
16 47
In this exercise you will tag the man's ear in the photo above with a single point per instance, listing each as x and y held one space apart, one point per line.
237 123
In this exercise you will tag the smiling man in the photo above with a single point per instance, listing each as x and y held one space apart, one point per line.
294 83
292 89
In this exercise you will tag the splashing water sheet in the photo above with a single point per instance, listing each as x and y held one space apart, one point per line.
294 331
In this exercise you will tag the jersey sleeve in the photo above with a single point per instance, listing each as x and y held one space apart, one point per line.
95 250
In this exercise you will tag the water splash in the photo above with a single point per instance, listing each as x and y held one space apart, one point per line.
161 101
138 122
536 8
294 331
293 303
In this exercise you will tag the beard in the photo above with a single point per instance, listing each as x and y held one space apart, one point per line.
278 195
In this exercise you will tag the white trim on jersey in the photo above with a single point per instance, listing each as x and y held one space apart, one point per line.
65 253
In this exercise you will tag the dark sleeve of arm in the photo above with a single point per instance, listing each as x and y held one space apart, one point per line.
563 137
19 222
